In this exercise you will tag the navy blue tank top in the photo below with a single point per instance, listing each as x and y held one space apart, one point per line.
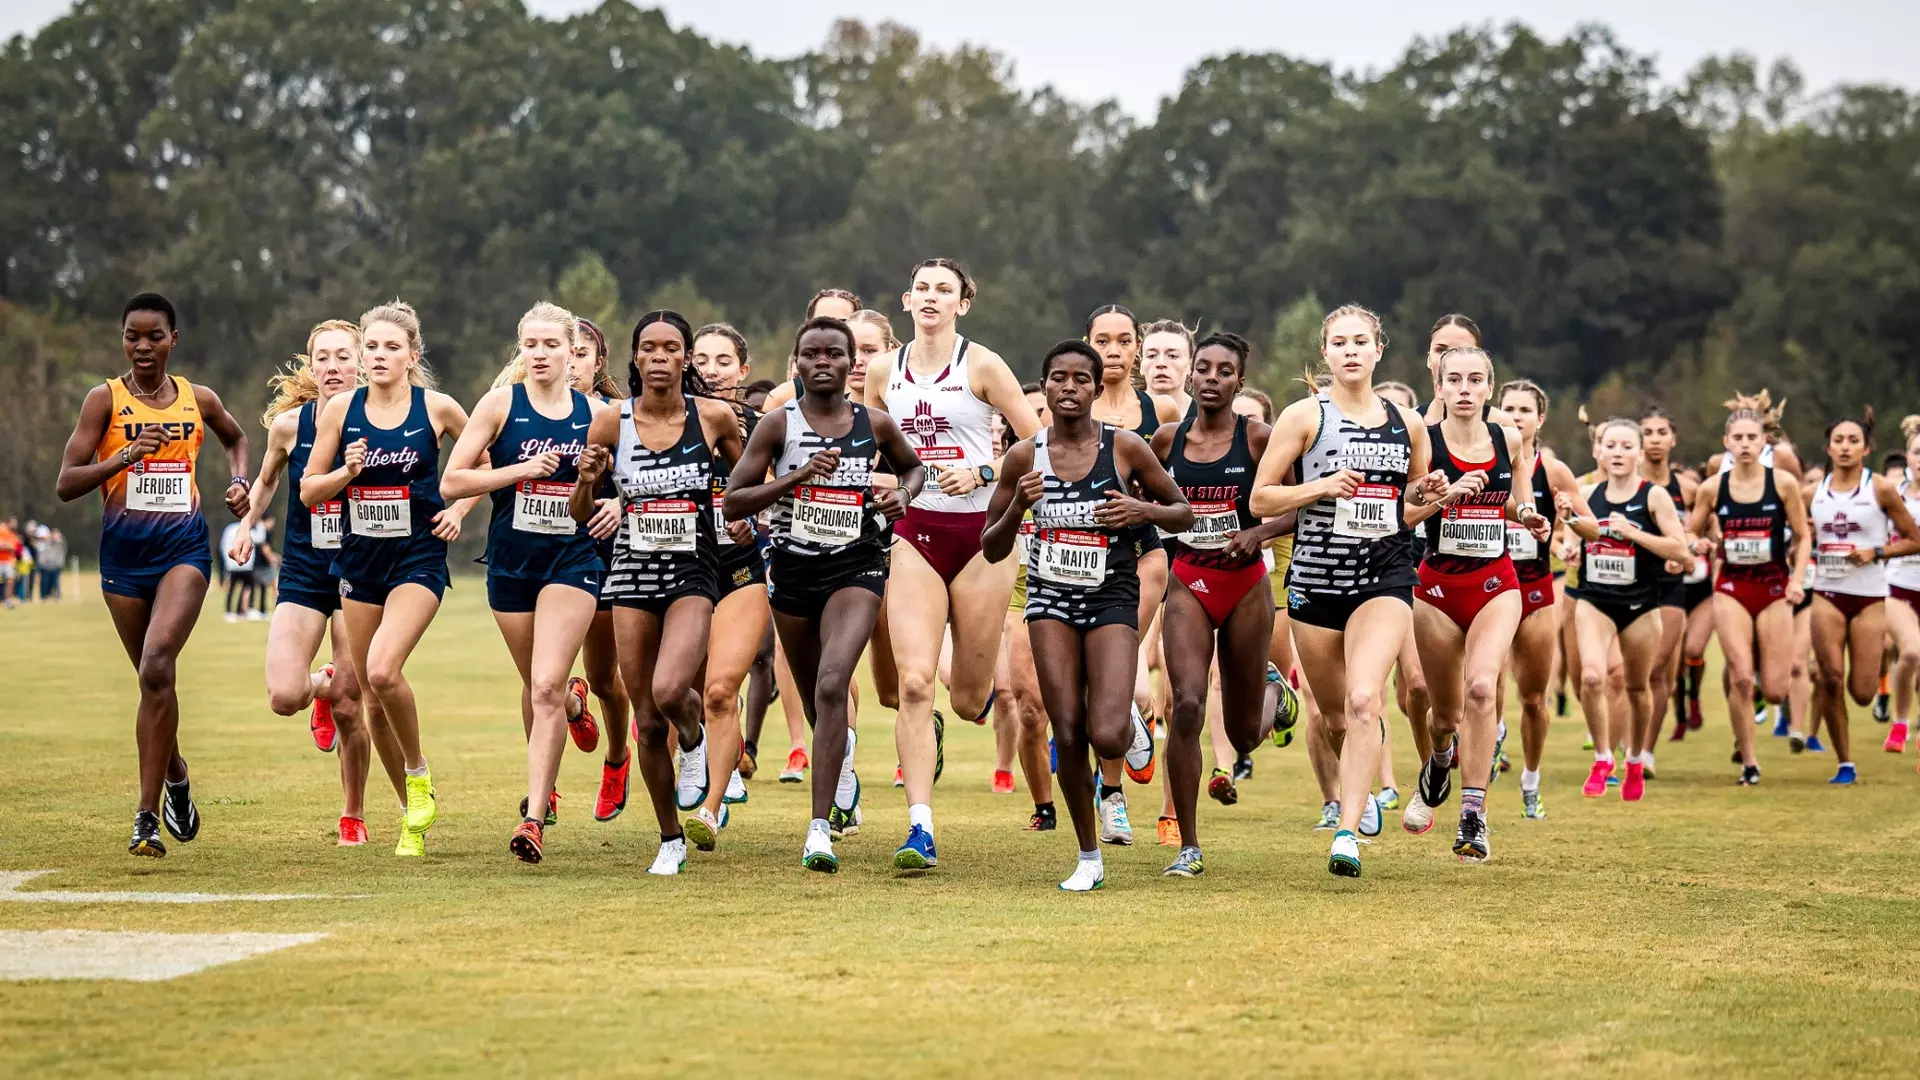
300 518
398 489
531 531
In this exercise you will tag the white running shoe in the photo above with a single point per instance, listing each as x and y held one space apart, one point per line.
817 853
1418 816
1115 828
1140 754
846 794
692 788
703 828
672 858
1344 859
1088 875
1646 764
1370 816
1329 817
736 788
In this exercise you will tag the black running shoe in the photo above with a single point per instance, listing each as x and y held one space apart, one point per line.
146 836
939 745
1243 768
1044 819
1470 843
182 818
1436 782
1749 775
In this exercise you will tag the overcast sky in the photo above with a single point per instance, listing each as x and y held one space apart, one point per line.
1137 50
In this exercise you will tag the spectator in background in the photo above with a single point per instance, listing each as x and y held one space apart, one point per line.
266 564
52 560
9 559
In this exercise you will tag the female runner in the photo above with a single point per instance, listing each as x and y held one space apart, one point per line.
1756 509
1903 615
384 442
1536 644
136 440
543 572
1859 522
1083 600
940 388
600 655
1454 331
1219 588
1468 601
1364 479
663 446
1684 585
828 565
307 603
1633 530
1166 360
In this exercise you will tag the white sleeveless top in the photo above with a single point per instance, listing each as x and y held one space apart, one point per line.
1766 459
946 424
1842 523
1905 571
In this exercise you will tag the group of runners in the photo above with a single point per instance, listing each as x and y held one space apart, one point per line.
1038 549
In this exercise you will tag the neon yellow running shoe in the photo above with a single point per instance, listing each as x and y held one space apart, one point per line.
412 844
422 808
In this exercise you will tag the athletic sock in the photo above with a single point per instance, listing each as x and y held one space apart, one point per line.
1091 856
1529 780
920 814
819 825
1603 756
1444 758
1043 808
665 839
1696 674
421 771
1473 800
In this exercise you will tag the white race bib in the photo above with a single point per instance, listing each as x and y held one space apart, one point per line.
1609 562
720 521
1833 562
324 526
381 513
1069 557
828 517
1748 548
661 525
1024 541
1473 532
1368 514
1521 545
949 456
1214 523
540 506
160 487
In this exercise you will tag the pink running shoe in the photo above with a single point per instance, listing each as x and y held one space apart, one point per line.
1596 784
1635 785
1896 738
1002 782
353 832
321 725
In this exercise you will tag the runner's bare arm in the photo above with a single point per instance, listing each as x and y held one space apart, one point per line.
318 487
79 473
451 421
1907 541
749 490
469 471
1802 549
603 433
234 438
273 462
1292 436
1008 504
900 457
1669 541
1167 509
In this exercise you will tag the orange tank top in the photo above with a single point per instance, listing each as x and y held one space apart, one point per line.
162 482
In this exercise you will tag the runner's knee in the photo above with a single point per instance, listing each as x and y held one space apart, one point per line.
916 688
1480 691
156 671
1189 712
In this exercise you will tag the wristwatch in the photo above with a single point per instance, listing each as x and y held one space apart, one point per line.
1879 554
985 473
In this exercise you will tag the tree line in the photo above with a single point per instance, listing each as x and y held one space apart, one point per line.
271 163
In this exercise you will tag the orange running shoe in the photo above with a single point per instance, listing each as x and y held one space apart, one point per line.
1168 831
325 734
796 769
614 783
525 843
585 732
353 832
1002 782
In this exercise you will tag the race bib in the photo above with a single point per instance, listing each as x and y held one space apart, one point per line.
1024 541
1368 513
940 455
1069 557
324 526
160 487
1520 543
1214 523
828 517
1609 562
1832 560
1474 532
663 525
1745 547
720 525
381 513
540 506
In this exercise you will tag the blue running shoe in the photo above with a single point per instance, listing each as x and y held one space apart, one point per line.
1782 723
1844 776
917 853
1053 756
1815 746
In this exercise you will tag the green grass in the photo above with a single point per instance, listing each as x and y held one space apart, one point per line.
1707 931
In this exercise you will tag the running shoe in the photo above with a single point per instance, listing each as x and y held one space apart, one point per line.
525 842
736 789
1186 864
817 853
353 832
321 726
1587 743
177 811
702 828
1532 805
1782 723
584 729
899 777
939 744
1635 785
1500 762
412 845
1370 817
1760 713
846 790
1140 756
1167 831
672 858
691 789
1003 781
1115 828
747 764
1470 842
423 808
1597 778
1882 711
1436 782
1053 757
1896 738
552 817
1749 775
1220 788
917 853
1845 775
615 782
843 823
1796 743
1088 875
1329 817
1679 730
146 836
1286 708
1646 763
1815 746
796 769
1344 859
1044 819
1389 798
1243 768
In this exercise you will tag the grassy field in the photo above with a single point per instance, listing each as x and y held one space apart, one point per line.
1710 930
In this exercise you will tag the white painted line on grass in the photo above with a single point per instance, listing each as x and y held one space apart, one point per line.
11 880
136 956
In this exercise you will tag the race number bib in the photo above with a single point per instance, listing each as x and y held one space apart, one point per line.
1069 557
1833 562
1746 547
540 506
1214 523
828 517
325 523
1474 532
720 535
380 513
160 487
1368 513
1024 542
662 525
1521 545
1609 562
949 456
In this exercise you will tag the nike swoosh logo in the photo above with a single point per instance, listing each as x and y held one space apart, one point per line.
861 442
577 427
519 419
1631 508
411 434
1399 431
